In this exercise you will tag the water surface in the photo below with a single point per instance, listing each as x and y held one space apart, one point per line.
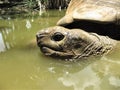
24 67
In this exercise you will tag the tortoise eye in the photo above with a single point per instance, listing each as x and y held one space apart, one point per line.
58 36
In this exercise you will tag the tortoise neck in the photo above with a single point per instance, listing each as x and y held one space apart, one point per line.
99 46
106 44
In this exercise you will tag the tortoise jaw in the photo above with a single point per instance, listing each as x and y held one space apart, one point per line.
46 49
56 53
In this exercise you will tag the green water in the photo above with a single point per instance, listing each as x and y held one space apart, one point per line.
24 67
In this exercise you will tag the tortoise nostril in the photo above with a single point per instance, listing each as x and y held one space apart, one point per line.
39 36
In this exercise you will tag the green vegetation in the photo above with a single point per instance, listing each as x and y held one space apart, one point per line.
16 8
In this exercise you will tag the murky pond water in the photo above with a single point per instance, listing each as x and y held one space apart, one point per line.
24 67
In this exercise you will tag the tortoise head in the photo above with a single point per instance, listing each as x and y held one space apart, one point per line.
66 43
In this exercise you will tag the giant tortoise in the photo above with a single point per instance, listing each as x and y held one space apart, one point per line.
89 28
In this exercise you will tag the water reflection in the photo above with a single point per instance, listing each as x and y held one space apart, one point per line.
2 44
100 75
82 80
4 32
12 32
28 24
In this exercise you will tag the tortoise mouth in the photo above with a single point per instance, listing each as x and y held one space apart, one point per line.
47 49
105 29
56 53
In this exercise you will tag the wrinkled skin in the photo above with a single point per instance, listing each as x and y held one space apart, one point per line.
92 28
